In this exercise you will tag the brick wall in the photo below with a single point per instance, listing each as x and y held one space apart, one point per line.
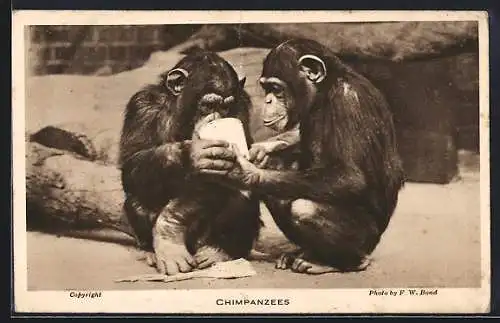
99 49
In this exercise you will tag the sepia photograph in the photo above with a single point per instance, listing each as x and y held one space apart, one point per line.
251 162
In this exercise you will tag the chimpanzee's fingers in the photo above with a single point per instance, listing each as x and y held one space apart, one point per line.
160 265
286 260
172 268
316 270
281 263
201 254
200 258
258 160
253 153
213 172
366 262
253 156
260 155
184 267
263 162
214 164
205 263
218 153
190 260
300 265
212 143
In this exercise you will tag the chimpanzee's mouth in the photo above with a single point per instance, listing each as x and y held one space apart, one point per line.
268 123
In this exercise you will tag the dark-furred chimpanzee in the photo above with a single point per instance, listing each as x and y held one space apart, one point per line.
339 201
182 221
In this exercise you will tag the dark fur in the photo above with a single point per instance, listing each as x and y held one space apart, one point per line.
154 158
348 162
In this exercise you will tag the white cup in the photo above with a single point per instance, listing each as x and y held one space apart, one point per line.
228 129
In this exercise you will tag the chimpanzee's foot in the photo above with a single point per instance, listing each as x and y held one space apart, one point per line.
301 262
305 265
206 256
149 257
172 258
286 259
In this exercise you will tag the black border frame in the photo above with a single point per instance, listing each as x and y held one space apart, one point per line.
493 9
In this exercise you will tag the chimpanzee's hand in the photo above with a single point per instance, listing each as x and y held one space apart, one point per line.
206 256
243 174
258 155
212 155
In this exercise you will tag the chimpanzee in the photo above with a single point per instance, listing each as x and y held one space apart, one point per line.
182 221
339 201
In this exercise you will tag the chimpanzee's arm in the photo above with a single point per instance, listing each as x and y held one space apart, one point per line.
281 141
150 168
319 184
150 174
356 139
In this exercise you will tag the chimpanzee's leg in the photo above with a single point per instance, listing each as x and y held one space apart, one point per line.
169 236
331 238
161 234
232 232
142 221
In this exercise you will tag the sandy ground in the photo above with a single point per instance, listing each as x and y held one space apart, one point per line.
432 241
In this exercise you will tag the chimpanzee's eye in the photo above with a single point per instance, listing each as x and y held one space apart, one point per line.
266 87
277 89
274 88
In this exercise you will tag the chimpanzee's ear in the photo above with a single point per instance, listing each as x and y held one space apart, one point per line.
314 68
175 80
242 82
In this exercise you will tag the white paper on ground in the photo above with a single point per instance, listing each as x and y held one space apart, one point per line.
225 270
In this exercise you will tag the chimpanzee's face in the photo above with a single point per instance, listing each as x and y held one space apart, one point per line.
290 84
209 89
278 102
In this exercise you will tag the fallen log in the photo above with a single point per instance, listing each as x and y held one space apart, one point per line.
73 190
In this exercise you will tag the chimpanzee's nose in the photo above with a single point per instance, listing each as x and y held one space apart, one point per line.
229 100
